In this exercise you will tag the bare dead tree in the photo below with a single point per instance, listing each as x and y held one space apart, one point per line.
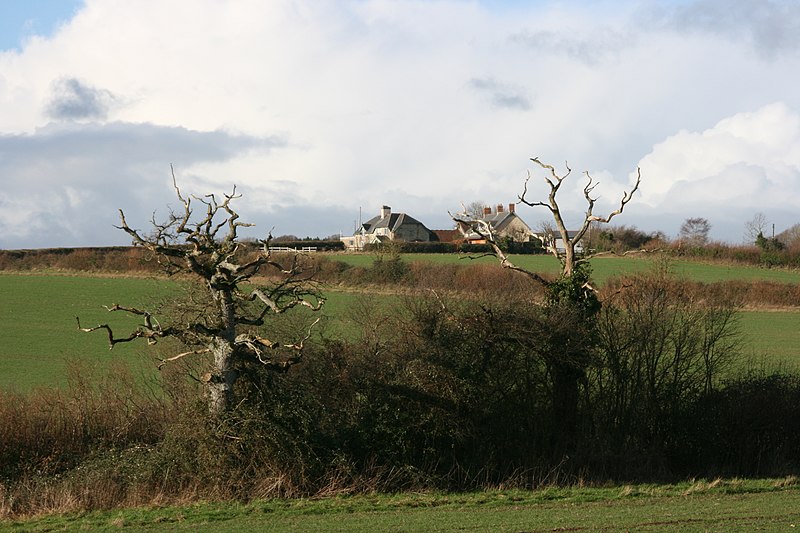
547 231
204 243
568 257
694 231
755 227
476 208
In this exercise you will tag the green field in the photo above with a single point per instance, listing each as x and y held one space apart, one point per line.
737 505
41 338
37 321
39 330
605 267
771 337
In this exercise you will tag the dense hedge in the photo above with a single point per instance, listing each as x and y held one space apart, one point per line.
428 247
97 259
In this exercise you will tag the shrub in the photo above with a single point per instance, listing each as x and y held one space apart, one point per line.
107 259
523 248
768 256
428 247
749 427
469 248
662 347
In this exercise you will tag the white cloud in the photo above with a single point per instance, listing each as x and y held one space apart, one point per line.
420 105
746 163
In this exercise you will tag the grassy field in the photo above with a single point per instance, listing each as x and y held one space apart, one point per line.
41 339
606 267
772 337
39 330
737 505
37 323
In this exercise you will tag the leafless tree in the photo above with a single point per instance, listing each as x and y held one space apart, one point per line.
476 209
568 256
755 227
547 231
694 231
204 243
662 344
790 238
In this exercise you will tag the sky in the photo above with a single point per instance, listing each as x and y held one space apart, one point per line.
321 112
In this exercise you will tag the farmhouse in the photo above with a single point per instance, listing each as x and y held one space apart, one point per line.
388 226
557 243
504 223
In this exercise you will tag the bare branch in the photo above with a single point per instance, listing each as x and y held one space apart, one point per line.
626 197
299 345
112 341
257 345
181 355
484 230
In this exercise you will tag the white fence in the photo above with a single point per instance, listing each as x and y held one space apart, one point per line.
295 250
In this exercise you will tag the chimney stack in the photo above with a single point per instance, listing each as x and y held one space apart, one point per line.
487 211
499 208
386 211
511 208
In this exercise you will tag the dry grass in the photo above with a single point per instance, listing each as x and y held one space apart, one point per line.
788 481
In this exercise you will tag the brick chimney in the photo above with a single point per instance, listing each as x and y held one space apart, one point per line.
386 211
499 208
487 211
511 208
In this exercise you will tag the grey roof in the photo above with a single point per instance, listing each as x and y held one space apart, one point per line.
393 222
498 221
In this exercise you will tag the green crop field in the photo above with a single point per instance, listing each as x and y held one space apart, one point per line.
737 505
37 324
772 337
39 330
605 267
41 338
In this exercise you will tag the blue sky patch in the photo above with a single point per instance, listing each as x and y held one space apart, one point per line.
21 19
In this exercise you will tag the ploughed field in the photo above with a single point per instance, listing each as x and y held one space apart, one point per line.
41 341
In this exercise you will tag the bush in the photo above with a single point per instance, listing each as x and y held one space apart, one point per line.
523 248
428 247
769 256
661 347
749 427
469 248
107 259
